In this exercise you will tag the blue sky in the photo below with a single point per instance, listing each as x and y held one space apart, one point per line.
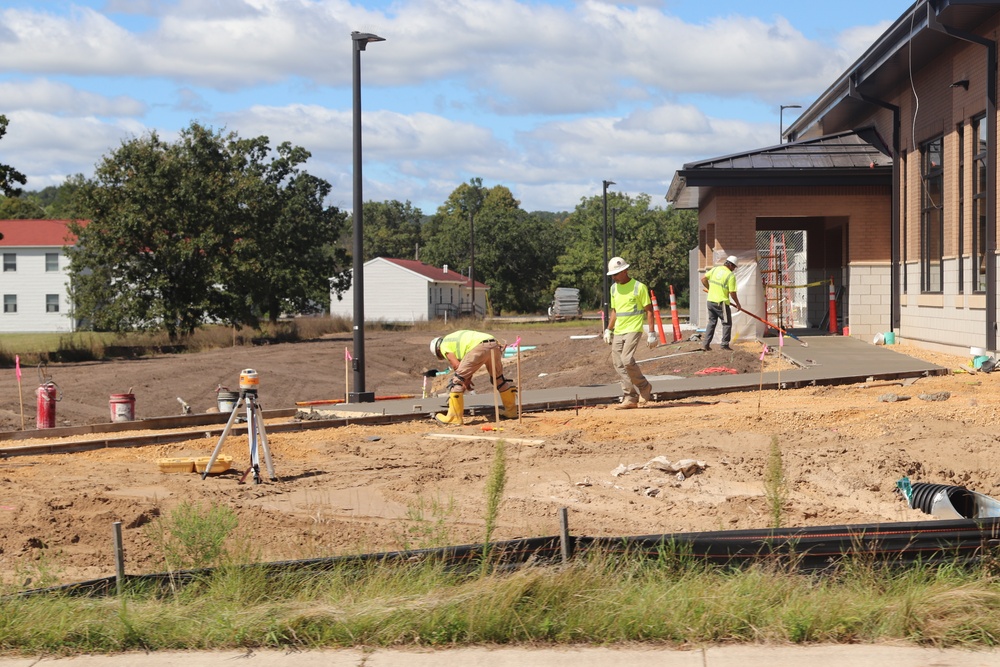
548 98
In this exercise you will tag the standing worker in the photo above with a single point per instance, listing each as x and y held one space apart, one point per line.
468 351
720 281
630 306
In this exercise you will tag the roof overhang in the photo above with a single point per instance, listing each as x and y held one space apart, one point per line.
908 45
856 158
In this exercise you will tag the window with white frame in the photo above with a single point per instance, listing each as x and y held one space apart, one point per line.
932 217
51 261
10 261
51 303
10 303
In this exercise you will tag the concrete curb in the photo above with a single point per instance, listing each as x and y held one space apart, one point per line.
827 655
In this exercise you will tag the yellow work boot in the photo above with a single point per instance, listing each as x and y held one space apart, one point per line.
456 406
509 398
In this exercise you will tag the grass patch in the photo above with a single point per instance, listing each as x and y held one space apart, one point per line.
597 599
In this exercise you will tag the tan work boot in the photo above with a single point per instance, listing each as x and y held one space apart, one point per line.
456 406
509 398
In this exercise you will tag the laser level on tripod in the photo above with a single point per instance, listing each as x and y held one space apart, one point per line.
249 384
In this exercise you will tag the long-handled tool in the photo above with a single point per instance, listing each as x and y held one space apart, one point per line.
776 327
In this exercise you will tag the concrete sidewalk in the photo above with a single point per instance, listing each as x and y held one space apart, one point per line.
716 656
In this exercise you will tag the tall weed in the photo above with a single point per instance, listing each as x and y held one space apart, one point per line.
775 489
496 482
193 536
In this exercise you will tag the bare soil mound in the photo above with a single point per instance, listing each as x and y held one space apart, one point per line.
371 488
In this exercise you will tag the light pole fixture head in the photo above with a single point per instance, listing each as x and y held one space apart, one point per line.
781 118
361 39
607 183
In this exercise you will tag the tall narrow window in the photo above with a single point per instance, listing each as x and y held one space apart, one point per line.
979 134
10 261
10 303
932 217
51 261
960 136
51 303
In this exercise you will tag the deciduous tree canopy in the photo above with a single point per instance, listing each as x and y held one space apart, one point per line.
8 175
211 227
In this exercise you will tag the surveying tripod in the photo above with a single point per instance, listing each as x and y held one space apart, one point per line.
255 430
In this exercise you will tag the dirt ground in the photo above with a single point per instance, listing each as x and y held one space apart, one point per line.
359 489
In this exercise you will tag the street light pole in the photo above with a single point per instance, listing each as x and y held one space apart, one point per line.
604 269
359 395
472 260
614 235
781 119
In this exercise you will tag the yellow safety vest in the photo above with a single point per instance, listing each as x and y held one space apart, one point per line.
629 302
460 342
721 281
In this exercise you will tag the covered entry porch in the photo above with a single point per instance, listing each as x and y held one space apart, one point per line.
805 212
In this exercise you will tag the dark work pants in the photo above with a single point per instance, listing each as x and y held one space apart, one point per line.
716 312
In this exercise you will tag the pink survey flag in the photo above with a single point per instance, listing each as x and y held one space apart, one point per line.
781 340
347 355
17 366
763 352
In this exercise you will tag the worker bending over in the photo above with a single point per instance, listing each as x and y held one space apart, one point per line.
468 351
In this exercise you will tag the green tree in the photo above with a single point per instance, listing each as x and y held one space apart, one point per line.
658 244
581 263
391 229
284 249
24 207
655 242
204 228
514 251
448 236
62 201
8 175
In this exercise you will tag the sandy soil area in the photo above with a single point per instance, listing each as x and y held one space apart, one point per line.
371 488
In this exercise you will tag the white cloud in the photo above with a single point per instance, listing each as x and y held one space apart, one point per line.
500 89
47 147
61 98
385 134
518 56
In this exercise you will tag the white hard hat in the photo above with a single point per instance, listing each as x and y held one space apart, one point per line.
436 347
731 260
616 265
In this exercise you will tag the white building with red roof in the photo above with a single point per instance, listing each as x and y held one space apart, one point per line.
34 277
405 290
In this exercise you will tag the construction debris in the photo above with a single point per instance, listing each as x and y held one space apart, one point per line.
682 469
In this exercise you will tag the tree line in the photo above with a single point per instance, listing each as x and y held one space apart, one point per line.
215 227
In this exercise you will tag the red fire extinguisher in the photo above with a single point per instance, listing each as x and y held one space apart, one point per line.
47 394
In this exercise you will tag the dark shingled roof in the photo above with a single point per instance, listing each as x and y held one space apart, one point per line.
836 151
857 157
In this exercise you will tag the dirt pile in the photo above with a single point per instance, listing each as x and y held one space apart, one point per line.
371 488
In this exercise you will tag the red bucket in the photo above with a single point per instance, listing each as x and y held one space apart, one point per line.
122 407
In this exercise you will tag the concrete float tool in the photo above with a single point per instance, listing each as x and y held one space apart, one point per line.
775 327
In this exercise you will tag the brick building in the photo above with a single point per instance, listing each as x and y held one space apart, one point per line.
887 182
